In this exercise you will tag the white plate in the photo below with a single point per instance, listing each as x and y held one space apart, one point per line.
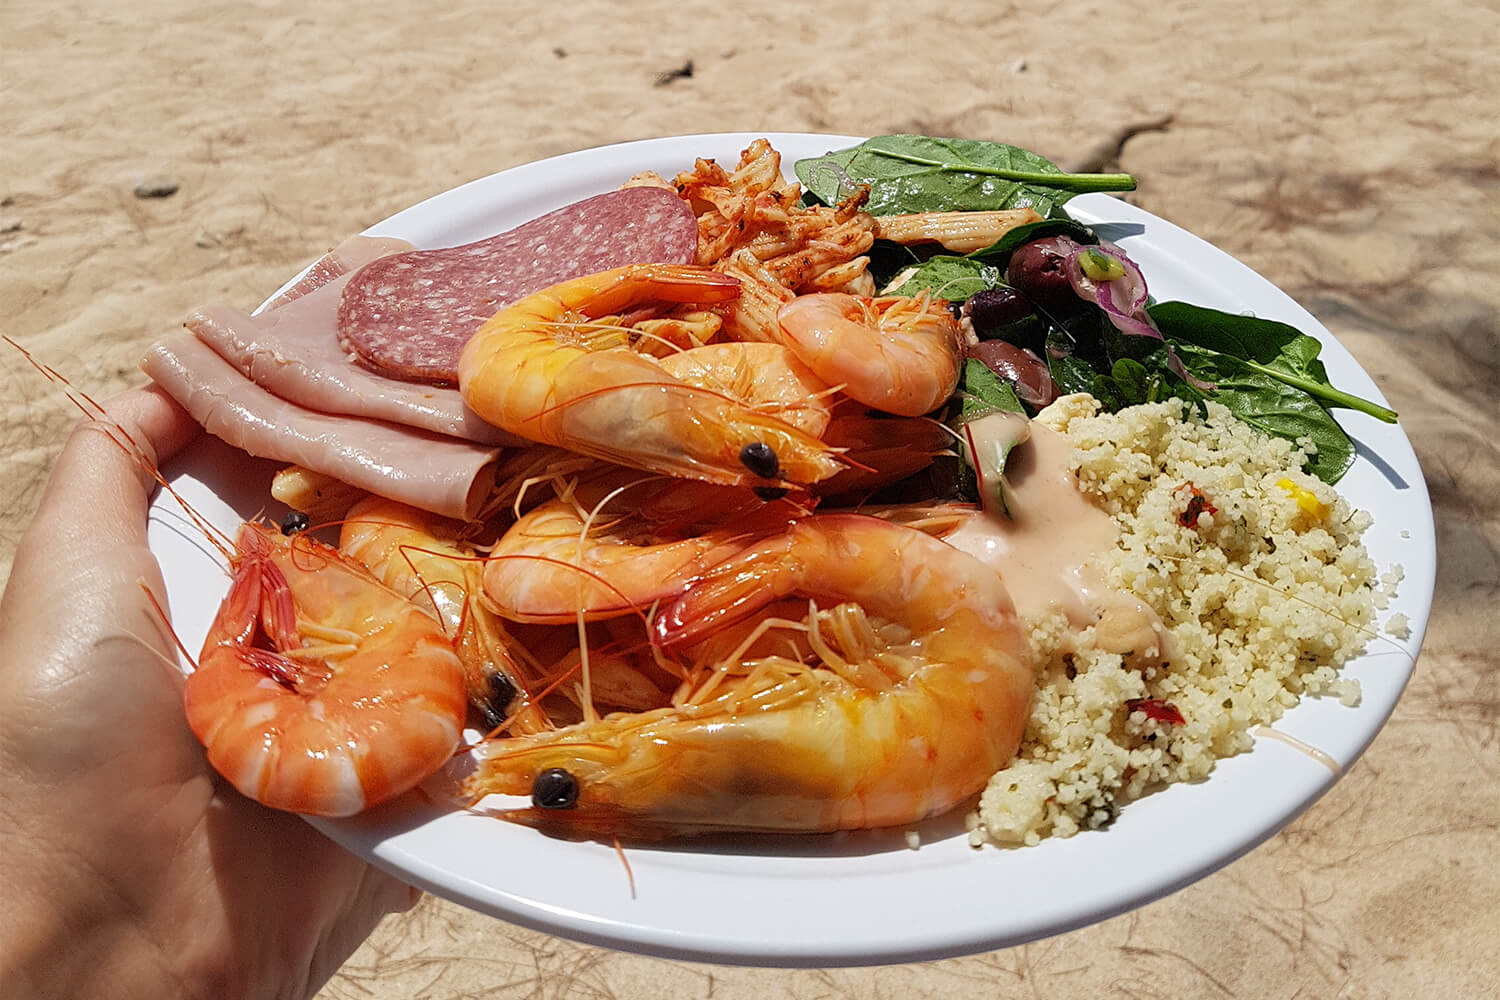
859 898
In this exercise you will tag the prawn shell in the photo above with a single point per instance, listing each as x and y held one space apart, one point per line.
897 354
815 757
348 730
535 369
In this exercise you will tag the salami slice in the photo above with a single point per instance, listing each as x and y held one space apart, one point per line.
409 315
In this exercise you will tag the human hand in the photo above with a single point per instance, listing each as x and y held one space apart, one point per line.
131 868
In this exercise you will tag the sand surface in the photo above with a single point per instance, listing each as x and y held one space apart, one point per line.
1346 150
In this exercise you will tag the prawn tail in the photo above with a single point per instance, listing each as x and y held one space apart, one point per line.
634 284
688 283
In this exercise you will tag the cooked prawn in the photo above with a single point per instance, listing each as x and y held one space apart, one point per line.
880 449
618 544
536 368
923 691
423 557
354 696
898 354
767 378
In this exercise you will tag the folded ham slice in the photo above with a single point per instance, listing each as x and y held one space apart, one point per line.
437 473
290 347
350 255
293 351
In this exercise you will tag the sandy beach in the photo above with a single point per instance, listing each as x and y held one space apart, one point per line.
176 154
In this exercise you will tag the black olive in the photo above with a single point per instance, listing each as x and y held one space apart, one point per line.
294 522
994 308
760 459
1039 270
554 788
769 493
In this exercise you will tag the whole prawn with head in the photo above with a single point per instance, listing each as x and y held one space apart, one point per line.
428 560
920 691
319 690
544 368
619 543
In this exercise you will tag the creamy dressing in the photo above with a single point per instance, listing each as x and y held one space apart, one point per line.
1049 543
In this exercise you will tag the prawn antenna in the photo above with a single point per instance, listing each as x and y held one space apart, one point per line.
166 620
94 411
629 874
666 383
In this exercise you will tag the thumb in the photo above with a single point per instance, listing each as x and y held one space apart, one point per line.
97 494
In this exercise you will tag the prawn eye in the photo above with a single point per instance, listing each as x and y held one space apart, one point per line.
760 459
769 493
502 693
554 788
294 522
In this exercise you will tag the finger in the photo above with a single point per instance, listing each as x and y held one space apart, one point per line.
98 490
166 428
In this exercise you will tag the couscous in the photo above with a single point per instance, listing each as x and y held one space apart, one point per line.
1256 570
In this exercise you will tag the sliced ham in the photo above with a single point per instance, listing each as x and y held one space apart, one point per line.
350 255
293 351
426 470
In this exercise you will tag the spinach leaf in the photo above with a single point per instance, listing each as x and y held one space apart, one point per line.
915 173
1275 349
1021 235
951 278
1129 383
1071 373
981 391
958 278
887 260
1273 406
1029 332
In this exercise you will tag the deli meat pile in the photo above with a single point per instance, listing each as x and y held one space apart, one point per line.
355 364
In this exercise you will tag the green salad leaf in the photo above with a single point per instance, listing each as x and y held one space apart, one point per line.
958 279
1273 406
1274 349
916 173
1130 383
981 391
1072 373
1000 250
953 278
